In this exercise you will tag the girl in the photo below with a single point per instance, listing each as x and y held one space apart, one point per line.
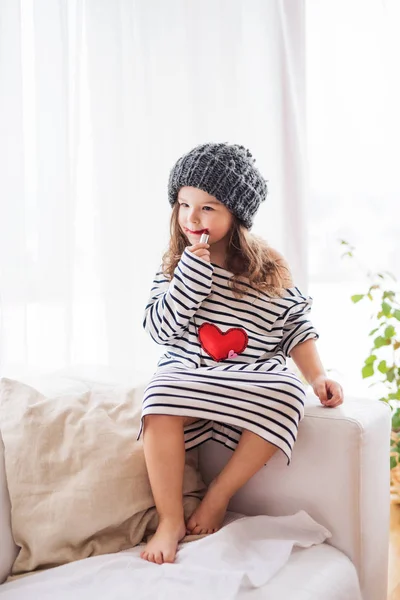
230 315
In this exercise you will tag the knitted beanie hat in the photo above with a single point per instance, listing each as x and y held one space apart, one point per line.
226 172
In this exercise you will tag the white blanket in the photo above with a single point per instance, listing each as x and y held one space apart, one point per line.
242 556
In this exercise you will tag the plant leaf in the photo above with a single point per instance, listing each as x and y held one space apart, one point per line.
380 341
368 371
370 359
357 297
390 375
389 331
396 420
382 367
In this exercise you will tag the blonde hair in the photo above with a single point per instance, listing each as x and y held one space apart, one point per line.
248 257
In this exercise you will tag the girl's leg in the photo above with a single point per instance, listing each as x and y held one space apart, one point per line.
164 450
251 453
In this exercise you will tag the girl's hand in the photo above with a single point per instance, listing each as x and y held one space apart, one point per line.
328 391
200 250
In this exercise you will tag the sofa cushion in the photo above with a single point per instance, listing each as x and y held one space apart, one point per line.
76 475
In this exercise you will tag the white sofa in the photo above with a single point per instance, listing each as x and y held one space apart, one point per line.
339 475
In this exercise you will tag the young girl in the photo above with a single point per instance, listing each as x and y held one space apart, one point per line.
230 315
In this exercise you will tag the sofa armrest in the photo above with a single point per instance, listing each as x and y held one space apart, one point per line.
339 474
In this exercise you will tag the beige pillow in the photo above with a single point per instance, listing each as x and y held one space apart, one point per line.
76 475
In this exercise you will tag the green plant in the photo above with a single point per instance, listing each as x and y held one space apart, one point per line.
384 357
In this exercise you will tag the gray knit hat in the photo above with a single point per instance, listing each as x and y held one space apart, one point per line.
225 171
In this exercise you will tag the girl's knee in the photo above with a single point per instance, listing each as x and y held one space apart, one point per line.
163 420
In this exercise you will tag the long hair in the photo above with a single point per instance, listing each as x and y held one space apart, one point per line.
248 257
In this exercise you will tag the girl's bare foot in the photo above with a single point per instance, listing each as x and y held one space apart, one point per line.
208 517
162 546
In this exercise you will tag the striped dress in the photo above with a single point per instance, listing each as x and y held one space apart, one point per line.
251 389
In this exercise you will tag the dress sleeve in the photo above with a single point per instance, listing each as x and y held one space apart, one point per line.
173 303
297 328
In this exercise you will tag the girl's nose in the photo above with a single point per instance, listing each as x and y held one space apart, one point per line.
194 216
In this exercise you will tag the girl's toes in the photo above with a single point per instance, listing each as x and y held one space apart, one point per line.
158 558
197 530
190 525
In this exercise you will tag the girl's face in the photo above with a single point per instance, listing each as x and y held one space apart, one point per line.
198 210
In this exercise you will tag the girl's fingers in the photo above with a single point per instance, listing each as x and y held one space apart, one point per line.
195 247
333 402
202 254
200 250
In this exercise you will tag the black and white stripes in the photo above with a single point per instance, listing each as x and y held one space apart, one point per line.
253 390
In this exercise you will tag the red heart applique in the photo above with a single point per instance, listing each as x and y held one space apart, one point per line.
220 345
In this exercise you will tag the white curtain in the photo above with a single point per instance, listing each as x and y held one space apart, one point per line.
353 132
98 99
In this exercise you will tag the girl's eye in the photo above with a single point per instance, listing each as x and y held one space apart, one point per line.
184 204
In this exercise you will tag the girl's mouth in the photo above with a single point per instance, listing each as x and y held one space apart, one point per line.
198 232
